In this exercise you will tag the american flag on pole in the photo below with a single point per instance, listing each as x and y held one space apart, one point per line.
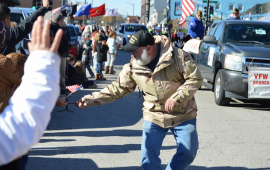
169 22
56 11
74 88
188 8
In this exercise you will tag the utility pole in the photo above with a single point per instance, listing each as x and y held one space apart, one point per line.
206 23
133 10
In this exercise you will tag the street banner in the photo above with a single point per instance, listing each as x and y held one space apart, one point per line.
112 12
83 10
192 45
258 82
98 11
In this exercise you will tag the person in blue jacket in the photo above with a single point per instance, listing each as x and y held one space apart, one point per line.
195 26
235 15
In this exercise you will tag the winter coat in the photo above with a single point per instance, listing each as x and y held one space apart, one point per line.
112 45
19 32
86 37
87 56
63 49
101 52
176 76
9 76
195 28
79 78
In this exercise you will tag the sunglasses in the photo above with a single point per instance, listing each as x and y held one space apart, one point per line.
235 13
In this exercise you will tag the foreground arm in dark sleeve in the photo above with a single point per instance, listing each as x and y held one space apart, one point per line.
25 27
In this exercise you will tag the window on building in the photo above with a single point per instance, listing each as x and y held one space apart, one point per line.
231 7
217 5
240 7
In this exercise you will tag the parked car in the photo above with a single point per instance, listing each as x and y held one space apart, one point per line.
125 31
227 56
79 35
74 41
18 15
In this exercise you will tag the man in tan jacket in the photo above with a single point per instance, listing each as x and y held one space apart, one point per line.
169 79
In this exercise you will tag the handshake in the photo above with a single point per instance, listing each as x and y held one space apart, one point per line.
86 101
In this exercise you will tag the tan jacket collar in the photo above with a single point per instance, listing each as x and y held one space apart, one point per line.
165 56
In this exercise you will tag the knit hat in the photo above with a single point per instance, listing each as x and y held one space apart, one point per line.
4 34
236 10
88 43
199 12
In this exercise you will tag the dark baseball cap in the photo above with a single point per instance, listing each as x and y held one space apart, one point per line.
58 17
141 38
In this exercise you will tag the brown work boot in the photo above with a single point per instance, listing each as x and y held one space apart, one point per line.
101 77
103 68
97 77
111 70
107 70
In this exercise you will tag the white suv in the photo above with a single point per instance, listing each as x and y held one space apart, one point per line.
18 15
125 31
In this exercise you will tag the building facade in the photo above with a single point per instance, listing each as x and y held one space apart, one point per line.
224 8
157 12
145 11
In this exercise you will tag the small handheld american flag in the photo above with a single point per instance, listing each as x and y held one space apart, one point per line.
74 88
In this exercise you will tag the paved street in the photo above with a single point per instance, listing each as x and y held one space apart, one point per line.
109 136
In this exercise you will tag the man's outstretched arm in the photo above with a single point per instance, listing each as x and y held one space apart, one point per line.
118 89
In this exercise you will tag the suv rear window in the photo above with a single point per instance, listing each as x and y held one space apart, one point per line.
72 31
132 28
16 17
248 33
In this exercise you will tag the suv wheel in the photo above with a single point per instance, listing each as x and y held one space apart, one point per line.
124 42
219 92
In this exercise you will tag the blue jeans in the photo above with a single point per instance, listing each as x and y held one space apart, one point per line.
23 162
99 68
186 138
89 70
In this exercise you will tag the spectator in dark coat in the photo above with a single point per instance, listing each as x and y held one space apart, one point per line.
63 47
19 32
101 49
70 71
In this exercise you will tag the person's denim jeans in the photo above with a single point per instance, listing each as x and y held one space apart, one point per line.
186 138
99 68
23 162
89 70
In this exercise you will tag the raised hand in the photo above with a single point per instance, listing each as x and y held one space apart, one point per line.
46 3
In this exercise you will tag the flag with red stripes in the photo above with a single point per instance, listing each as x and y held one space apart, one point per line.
188 8
74 88
56 11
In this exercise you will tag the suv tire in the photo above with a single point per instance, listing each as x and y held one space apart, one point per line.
219 92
